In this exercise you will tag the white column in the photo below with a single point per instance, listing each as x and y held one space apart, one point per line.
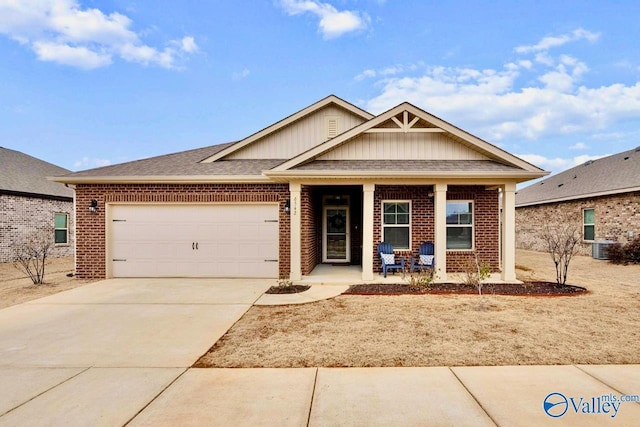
367 231
509 232
296 231
440 217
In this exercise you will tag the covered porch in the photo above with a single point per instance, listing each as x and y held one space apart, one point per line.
317 256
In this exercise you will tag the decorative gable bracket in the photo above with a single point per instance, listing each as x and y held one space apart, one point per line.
404 126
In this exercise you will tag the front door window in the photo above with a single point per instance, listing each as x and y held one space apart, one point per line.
336 234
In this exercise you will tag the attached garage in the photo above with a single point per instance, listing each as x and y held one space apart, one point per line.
192 240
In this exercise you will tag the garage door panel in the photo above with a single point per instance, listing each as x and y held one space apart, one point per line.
159 240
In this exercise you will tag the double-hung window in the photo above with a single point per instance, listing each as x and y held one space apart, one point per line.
396 223
459 225
589 224
61 228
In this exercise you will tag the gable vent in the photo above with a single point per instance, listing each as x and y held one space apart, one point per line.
332 127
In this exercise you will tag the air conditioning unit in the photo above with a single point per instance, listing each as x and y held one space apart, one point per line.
599 249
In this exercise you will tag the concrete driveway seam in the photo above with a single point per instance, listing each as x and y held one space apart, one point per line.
46 391
313 394
473 396
155 397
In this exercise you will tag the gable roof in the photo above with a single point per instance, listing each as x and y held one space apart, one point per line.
619 173
475 158
331 99
431 123
26 175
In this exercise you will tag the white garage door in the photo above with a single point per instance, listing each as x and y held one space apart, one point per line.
193 240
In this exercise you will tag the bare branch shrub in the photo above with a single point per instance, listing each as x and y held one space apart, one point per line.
561 239
475 272
31 254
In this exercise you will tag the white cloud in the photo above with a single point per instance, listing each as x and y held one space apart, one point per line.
241 74
523 99
86 163
556 41
62 31
579 146
558 164
333 23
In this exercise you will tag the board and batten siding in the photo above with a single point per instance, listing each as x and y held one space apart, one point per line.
403 146
299 136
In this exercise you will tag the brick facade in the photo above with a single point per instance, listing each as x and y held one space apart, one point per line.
486 220
22 217
91 234
615 218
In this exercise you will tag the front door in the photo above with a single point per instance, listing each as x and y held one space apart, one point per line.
335 235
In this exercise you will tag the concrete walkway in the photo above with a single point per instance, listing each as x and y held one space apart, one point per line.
118 353
314 293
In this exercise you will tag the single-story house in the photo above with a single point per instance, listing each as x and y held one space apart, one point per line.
324 185
600 197
31 205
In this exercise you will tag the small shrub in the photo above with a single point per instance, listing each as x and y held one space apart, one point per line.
475 273
632 250
31 254
616 254
421 278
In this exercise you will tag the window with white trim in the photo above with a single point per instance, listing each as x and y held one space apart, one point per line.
61 228
396 223
459 224
589 225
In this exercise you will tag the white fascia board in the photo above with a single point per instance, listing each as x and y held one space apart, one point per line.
189 179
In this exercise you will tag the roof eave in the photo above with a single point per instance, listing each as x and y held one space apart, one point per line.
519 176
159 179
579 197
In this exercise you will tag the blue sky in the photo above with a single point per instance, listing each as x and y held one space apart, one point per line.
89 83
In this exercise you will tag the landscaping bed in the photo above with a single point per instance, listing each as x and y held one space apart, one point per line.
291 289
538 288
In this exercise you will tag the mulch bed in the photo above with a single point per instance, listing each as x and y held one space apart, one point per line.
526 289
292 289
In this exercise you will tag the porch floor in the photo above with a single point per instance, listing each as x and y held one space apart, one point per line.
326 274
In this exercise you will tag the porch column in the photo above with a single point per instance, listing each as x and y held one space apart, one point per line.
440 217
296 232
509 232
367 231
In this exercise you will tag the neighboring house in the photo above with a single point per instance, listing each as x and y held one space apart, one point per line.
600 197
32 205
324 185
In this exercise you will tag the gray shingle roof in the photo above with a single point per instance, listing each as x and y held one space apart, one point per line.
408 165
614 174
185 163
21 173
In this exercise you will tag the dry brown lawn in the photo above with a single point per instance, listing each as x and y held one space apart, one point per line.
16 287
600 327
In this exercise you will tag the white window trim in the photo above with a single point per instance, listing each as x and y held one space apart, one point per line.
56 229
585 224
383 226
472 226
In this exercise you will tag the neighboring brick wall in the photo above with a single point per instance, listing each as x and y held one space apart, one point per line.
91 232
21 217
486 220
616 216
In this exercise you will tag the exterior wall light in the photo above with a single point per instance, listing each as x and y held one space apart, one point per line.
93 206
287 206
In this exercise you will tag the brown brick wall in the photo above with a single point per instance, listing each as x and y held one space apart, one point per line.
486 220
91 232
311 229
616 216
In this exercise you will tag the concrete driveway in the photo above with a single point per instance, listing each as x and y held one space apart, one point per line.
107 349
